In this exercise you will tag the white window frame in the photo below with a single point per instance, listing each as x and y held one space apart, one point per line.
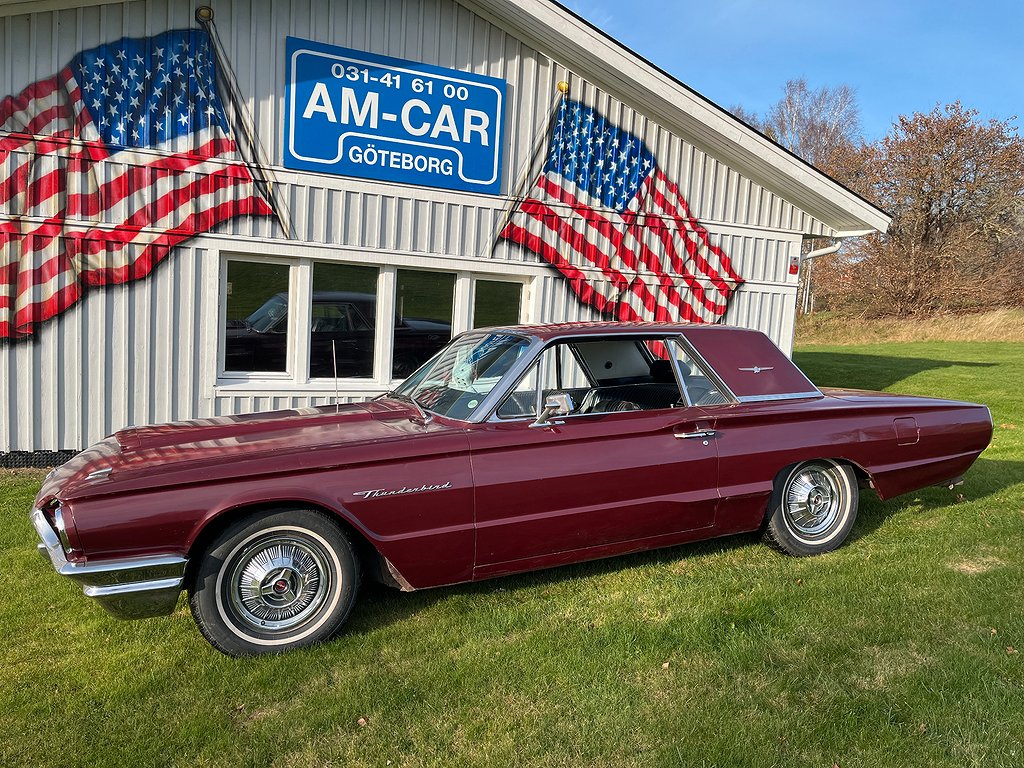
288 374
296 380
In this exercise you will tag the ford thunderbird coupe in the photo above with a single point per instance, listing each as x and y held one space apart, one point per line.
512 449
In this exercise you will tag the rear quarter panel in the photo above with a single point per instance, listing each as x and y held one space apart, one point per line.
756 441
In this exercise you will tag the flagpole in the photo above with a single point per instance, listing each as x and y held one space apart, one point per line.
519 194
250 147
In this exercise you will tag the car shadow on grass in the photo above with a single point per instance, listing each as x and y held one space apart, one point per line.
380 606
864 371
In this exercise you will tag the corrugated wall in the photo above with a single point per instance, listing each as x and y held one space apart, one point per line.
140 353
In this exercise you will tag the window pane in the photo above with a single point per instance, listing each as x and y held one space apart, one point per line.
256 317
700 390
522 400
461 377
496 303
423 317
343 317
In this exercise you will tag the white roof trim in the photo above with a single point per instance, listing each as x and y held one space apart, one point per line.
16 7
574 43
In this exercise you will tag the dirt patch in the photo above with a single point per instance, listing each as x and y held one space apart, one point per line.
883 665
976 565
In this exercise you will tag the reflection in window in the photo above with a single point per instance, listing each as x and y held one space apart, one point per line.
424 302
256 317
522 400
458 380
496 303
343 315
700 390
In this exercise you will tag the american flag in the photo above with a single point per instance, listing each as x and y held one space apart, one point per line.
605 215
106 166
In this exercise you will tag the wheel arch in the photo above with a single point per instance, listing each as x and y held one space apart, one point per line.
370 558
864 478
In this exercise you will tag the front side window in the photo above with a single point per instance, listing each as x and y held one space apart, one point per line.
343 316
424 304
600 376
457 380
256 317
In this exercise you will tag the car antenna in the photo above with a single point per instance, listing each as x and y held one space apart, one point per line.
334 360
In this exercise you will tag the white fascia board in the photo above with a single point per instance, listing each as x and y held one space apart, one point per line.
16 7
600 59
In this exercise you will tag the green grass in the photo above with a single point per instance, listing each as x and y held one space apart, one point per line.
891 651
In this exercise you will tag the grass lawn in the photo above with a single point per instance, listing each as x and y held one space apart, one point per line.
899 649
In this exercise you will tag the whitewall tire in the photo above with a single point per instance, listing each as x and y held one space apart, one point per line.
274 582
813 508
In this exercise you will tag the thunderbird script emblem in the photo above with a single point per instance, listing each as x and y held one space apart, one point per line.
758 369
377 492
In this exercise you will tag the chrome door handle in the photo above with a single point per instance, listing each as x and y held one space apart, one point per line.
701 434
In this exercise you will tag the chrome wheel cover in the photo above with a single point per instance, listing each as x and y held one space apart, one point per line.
814 503
278 582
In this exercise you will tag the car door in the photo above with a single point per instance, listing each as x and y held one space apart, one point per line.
592 479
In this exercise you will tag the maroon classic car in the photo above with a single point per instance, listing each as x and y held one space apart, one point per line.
512 449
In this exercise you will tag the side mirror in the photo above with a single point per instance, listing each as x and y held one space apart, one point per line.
556 404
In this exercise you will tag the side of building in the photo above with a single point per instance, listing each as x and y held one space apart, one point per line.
403 266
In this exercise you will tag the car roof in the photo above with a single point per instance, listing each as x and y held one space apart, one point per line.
609 328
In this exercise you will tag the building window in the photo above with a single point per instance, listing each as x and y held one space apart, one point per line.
256 317
301 322
343 320
496 303
424 305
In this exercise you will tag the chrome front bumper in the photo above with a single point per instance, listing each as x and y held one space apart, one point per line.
132 588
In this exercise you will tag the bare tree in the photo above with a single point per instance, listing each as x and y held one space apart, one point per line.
747 116
954 185
814 123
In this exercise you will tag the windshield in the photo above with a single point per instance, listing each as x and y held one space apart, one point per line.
266 317
461 375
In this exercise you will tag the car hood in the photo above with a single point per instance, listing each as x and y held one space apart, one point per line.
223 447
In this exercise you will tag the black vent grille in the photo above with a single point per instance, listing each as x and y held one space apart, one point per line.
34 459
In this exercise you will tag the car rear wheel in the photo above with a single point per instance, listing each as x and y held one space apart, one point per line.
275 582
813 508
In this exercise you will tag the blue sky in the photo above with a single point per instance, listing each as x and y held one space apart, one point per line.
900 56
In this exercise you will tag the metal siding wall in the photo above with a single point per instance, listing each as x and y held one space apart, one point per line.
136 353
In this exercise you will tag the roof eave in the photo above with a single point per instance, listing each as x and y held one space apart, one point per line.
606 62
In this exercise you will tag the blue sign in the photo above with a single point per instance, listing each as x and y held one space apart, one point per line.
360 114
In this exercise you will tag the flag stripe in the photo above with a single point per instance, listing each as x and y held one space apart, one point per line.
606 216
79 244
617 239
637 256
106 169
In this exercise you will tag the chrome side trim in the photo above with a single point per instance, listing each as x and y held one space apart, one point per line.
787 396
131 588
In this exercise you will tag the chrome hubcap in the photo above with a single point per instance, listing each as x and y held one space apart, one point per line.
278 582
814 502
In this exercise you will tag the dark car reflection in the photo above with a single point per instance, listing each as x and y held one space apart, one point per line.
339 319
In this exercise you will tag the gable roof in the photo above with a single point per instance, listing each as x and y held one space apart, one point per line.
566 37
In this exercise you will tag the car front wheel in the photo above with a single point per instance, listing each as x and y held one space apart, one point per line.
275 582
813 508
